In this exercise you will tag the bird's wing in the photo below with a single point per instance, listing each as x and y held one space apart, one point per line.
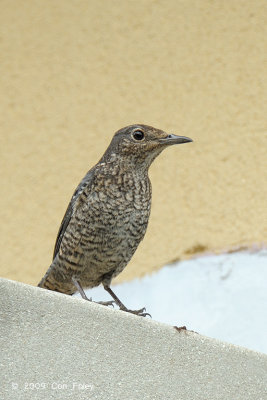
63 227
68 214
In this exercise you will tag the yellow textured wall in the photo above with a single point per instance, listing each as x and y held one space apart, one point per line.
75 71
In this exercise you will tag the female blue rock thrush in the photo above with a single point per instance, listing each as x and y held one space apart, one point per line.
108 214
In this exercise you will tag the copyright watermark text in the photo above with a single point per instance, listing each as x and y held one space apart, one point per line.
75 386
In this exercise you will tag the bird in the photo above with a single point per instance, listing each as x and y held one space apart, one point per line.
108 215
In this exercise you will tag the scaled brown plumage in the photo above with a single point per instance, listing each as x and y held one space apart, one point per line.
108 214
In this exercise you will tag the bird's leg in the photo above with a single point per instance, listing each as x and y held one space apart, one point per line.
140 312
82 293
80 289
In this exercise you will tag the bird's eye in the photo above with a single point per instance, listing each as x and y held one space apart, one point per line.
138 135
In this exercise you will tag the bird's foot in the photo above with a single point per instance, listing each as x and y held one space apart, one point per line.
140 313
122 307
105 303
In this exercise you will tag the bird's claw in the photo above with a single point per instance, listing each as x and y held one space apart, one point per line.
106 303
103 303
140 312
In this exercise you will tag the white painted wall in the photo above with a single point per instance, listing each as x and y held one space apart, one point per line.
222 296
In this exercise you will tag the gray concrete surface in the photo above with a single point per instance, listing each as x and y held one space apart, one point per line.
57 347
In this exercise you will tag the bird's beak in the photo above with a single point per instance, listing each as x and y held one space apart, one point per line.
174 139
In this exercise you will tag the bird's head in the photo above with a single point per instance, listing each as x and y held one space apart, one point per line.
142 143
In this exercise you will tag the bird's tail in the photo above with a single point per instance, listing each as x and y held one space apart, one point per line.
50 282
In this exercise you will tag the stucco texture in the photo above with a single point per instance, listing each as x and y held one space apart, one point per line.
73 72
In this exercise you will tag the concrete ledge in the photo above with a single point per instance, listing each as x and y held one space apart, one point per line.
58 347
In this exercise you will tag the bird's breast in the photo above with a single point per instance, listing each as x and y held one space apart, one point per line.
119 207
